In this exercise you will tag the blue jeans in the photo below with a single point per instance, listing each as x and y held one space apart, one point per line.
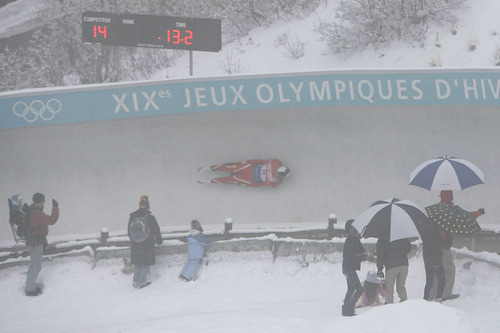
190 269
354 292
140 275
36 254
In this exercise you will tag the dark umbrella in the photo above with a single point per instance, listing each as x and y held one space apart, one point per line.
452 218
391 220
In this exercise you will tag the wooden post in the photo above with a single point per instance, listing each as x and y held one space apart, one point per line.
332 220
104 235
228 226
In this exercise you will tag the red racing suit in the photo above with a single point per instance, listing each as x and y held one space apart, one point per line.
256 173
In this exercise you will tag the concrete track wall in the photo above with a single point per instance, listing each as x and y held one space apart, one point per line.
342 159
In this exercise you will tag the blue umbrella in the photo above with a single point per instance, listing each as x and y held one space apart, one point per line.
446 173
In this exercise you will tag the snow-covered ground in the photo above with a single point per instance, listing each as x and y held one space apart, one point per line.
238 292
248 292
257 53
18 17
253 54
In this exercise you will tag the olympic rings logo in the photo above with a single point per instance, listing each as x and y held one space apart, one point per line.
36 109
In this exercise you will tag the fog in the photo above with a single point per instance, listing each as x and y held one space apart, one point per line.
342 159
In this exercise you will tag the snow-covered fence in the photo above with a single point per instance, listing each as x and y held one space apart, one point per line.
303 245
272 243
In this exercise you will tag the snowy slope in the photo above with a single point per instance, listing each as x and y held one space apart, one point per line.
18 17
238 292
257 53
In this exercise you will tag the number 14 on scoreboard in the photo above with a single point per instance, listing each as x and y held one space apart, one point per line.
101 29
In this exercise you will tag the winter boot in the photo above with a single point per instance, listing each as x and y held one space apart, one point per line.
35 292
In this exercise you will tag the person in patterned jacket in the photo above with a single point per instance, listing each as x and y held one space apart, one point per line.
254 173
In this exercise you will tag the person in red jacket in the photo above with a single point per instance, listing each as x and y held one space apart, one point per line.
255 173
36 239
446 197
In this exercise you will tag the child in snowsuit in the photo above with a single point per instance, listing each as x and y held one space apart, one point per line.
196 250
373 290
353 254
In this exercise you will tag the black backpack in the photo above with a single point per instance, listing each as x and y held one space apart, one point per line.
19 221
138 229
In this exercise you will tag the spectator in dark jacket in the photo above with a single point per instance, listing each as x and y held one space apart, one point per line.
143 255
353 254
432 244
36 239
394 257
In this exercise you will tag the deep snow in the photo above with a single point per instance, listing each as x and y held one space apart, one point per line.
100 173
238 292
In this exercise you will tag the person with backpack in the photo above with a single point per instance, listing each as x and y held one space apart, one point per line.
144 232
196 251
36 239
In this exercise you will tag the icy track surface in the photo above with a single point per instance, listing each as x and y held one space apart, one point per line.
236 293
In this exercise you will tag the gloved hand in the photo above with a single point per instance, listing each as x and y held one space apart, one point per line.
370 257
380 274
481 210
55 204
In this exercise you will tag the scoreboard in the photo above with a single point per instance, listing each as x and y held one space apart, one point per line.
167 32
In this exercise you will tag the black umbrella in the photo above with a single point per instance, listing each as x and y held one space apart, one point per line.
452 218
391 220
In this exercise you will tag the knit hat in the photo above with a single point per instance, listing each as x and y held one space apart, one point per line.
38 197
446 196
144 203
371 276
195 225
348 225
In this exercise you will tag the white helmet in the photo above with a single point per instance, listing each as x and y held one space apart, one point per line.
282 171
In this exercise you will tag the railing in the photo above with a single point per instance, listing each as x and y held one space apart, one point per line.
278 242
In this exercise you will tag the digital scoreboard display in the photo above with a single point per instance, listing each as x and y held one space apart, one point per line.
151 31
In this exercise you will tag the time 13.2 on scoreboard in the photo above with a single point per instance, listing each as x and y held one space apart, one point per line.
166 32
